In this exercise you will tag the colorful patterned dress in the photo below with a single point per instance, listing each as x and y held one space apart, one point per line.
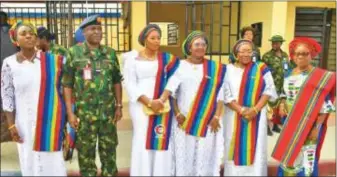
304 163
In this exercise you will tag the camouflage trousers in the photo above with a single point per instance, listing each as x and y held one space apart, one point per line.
87 135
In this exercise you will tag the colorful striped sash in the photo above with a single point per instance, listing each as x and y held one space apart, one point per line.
51 109
318 85
159 128
245 134
204 104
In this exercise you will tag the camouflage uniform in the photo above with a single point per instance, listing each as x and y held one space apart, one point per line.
278 71
276 65
58 50
95 105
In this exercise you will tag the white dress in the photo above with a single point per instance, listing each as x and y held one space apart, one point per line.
193 156
20 86
139 79
232 87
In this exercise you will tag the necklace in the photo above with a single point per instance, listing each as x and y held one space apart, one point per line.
149 58
28 59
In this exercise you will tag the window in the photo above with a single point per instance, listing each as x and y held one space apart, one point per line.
219 20
55 16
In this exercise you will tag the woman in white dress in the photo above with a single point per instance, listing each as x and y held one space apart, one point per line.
21 88
250 85
145 75
197 135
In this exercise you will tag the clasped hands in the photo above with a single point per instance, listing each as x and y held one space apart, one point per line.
156 105
249 113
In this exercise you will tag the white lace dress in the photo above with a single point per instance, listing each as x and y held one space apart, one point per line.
193 156
20 85
232 87
139 79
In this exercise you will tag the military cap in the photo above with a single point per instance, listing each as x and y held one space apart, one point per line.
277 38
91 20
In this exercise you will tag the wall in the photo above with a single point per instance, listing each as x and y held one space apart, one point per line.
253 12
291 14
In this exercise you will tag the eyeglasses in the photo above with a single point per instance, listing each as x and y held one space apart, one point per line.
196 45
249 52
304 54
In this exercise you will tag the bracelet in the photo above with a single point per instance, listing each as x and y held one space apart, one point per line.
12 126
149 104
178 114
255 109
119 105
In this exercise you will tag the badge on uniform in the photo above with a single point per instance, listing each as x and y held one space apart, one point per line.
87 72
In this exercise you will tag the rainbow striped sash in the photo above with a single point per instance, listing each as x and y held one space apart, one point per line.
204 104
246 132
51 109
159 128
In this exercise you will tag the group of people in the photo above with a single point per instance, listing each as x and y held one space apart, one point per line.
189 115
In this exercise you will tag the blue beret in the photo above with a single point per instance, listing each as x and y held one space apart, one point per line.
91 20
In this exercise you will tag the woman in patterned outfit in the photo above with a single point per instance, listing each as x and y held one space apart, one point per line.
307 102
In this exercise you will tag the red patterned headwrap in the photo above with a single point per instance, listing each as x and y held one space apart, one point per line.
313 46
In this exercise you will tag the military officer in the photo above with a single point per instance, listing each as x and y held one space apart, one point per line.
92 76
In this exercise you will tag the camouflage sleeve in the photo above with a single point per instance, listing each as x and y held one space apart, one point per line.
68 70
116 72
265 59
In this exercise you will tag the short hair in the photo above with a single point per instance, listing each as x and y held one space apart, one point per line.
245 29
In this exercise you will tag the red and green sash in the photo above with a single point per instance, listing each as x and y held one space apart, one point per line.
246 132
316 88
204 105
159 128
51 109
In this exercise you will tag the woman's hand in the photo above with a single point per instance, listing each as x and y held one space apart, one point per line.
215 124
15 134
180 118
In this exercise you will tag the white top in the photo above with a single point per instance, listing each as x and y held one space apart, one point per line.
232 84
139 76
185 83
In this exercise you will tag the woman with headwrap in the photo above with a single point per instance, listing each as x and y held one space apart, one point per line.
197 132
30 85
307 103
45 42
248 33
249 86
146 73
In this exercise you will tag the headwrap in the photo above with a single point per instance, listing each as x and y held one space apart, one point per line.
189 40
313 46
236 48
12 32
43 32
146 31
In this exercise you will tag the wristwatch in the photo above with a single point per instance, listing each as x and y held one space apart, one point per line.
119 105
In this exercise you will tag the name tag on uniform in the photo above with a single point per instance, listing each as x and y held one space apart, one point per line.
285 65
87 73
